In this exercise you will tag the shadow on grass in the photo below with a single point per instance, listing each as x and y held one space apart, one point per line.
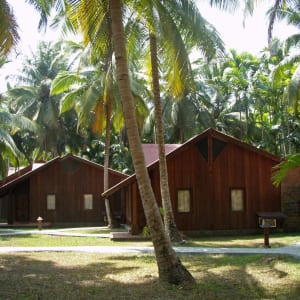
17 236
95 276
40 240
276 240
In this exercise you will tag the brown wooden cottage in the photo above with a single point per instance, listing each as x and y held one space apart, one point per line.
216 182
62 190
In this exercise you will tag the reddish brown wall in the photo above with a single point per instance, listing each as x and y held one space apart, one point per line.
69 180
290 195
210 183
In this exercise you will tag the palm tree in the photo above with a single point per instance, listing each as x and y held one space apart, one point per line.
9 125
9 151
287 10
169 265
9 36
97 93
163 20
33 97
290 13
91 92
97 36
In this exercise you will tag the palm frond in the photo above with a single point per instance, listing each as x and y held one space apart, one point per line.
20 122
281 169
9 36
64 81
293 89
225 5
8 142
287 62
91 96
69 100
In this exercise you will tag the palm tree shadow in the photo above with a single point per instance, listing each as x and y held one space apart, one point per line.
98 276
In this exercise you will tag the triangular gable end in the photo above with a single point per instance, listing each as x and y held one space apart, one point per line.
220 140
69 163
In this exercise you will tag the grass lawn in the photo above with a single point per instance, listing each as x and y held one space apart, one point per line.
49 275
43 240
26 240
251 241
98 276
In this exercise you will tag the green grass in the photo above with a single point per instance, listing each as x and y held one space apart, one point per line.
48 275
41 240
276 240
100 230
99 276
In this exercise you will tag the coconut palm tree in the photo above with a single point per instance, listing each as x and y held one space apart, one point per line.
33 99
91 92
290 12
287 10
97 36
10 124
168 23
9 36
169 265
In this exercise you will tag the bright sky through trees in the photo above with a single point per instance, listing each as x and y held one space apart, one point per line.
251 38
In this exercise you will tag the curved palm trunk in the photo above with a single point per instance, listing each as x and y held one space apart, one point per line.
109 214
108 108
271 23
170 225
169 266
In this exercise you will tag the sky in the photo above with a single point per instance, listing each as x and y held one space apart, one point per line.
251 38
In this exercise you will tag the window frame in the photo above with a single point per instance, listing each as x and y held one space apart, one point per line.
237 204
51 202
189 201
88 201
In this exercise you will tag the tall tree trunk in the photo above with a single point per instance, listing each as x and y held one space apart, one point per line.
109 214
169 221
181 135
170 268
271 23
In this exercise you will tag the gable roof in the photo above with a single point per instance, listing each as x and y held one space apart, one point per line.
34 168
151 151
208 132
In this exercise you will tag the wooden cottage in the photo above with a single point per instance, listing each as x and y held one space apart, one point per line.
216 182
62 190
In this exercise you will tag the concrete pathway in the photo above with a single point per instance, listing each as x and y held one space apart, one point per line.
60 232
293 250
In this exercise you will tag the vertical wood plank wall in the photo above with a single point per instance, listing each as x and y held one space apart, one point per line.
210 181
69 180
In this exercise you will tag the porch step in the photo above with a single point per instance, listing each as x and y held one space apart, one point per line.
127 236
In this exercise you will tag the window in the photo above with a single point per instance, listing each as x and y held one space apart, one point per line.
51 205
88 201
237 199
183 201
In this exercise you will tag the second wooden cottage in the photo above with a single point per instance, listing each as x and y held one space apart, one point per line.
216 182
63 190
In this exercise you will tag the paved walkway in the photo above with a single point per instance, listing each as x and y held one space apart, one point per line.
293 250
